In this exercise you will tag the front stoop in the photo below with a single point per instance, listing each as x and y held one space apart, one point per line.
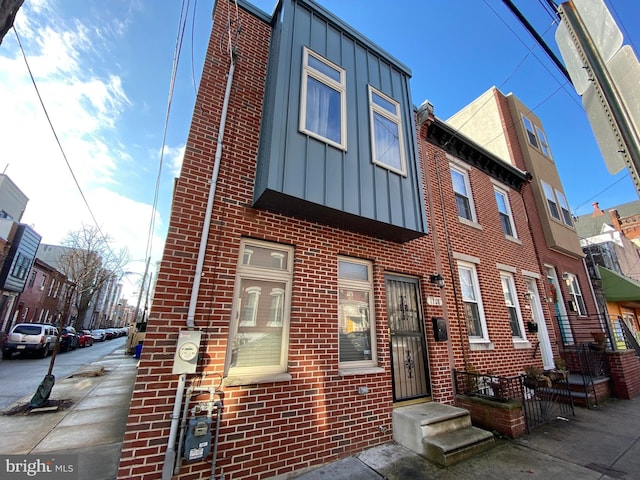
441 433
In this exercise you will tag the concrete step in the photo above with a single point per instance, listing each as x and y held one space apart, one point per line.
441 433
452 447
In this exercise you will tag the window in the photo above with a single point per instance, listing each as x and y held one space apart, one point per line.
32 279
462 191
504 209
355 314
473 311
551 200
544 145
577 302
531 134
323 100
564 208
21 267
260 327
511 301
386 132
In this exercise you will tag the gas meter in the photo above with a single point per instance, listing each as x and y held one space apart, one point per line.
197 445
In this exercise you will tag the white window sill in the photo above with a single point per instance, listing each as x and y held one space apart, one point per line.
481 345
346 372
250 379
471 223
513 239
521 344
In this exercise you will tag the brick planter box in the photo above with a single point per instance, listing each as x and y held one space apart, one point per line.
505 417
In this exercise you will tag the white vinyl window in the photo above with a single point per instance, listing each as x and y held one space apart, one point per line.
531 133
259 334
513 306
386 132
323 104
577 301
564 208
504 210
552 204
462 192
544 144
356 325
473 310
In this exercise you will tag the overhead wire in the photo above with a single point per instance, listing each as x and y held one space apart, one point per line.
60 147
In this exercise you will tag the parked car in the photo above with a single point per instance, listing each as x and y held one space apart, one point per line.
68 339
84 338
36 338
111 333
98 335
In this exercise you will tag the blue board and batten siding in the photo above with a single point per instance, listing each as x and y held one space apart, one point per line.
306 177
15 270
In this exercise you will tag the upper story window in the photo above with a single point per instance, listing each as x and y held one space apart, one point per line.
323 103
32 278
21 267
259 334
473 310
356 325
577 302
564 208
513 307
557 204
504 209
386 132
531 133
544 144
462 191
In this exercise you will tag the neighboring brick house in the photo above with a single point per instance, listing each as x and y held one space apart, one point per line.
42 298
311 275
506 127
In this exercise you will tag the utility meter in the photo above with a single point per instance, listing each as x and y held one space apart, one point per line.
186 356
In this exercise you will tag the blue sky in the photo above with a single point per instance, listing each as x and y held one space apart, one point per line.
104 72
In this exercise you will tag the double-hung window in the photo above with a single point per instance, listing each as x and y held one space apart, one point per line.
473 310
462 192
323 103
576 294
564 208
356 325
511 301
259 334
21 267
386 132
504 210
552 204
531 133
544 144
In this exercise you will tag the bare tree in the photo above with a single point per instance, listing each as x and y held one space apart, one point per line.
91 265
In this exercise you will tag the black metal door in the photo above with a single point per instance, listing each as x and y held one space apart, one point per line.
407 341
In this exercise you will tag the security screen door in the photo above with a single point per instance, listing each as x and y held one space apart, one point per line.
407 341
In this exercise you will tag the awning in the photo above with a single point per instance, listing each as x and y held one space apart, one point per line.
618 288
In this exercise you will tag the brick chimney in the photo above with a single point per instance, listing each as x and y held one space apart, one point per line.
615 219
597 211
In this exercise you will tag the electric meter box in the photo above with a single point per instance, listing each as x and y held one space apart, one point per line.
185 359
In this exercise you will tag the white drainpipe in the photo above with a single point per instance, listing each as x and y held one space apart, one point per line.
170 455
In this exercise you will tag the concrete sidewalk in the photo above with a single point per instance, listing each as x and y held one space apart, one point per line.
602 443
92 427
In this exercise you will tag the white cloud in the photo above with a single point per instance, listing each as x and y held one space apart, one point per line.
173 157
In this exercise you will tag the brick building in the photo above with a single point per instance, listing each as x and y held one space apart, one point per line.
332 253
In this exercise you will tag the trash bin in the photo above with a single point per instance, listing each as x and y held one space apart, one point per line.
138 350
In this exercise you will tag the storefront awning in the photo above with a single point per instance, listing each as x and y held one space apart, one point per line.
618 288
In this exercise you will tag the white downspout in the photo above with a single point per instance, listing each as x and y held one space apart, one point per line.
170 455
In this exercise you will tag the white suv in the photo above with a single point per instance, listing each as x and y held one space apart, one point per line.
37 338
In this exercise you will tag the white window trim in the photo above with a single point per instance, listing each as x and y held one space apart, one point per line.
397 119
341 87
574 292
476 287
505 194
553 199
563 206
508 276
363 285
544 144
467 183
530 132
247 375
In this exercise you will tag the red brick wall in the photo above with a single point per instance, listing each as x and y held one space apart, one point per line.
506 418
625 373
318 416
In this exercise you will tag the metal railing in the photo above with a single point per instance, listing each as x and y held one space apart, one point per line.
542 401
576 330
